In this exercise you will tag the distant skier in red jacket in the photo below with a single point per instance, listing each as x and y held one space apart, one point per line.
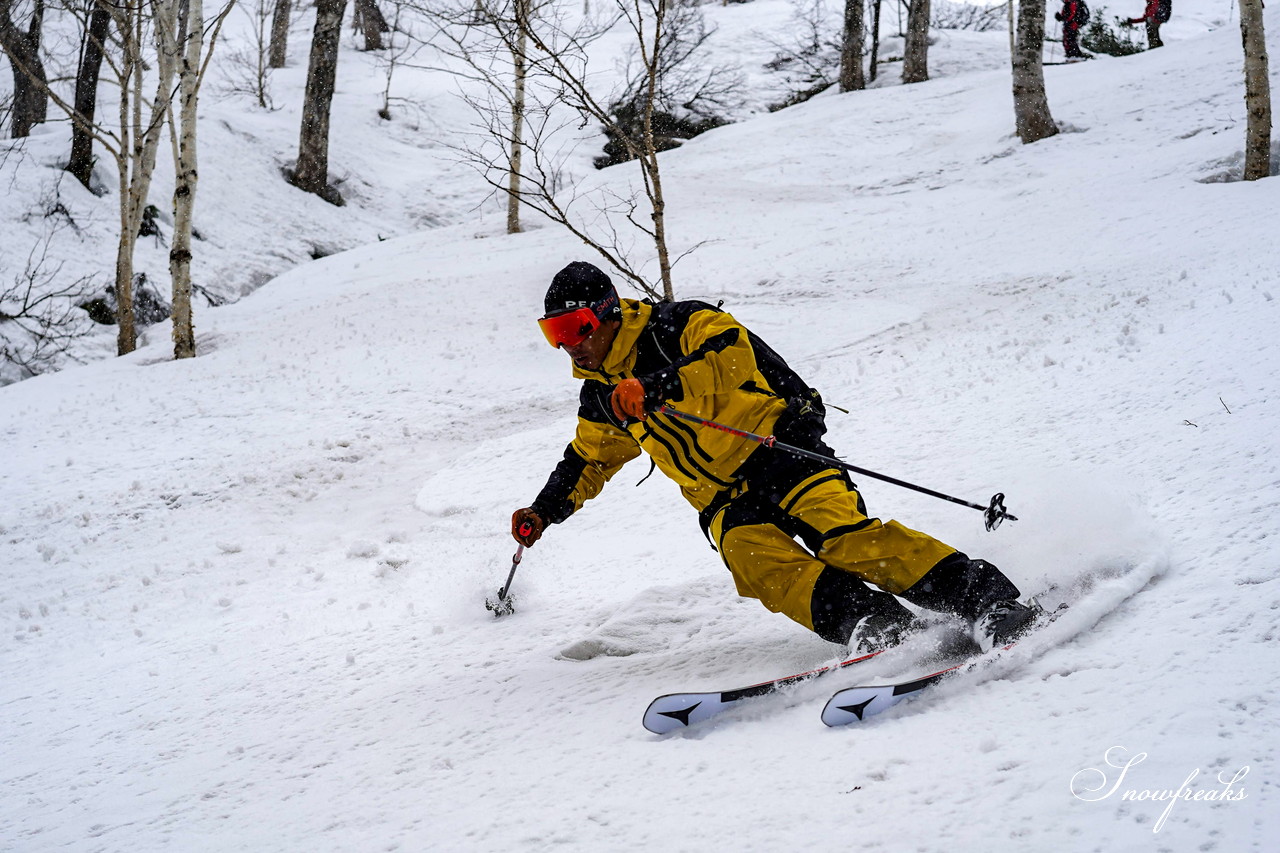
1156 13
1074 15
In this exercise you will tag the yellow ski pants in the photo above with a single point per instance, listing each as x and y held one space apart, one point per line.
756 533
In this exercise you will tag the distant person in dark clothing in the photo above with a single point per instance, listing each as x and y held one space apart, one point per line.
1074 15
1156 13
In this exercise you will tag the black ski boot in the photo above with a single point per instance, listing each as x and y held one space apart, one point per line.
847 611
881 631
977 592
1003 623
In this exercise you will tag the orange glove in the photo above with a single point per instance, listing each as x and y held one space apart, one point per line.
627 400
526 526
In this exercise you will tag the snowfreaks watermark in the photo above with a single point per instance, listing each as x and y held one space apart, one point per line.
1094 784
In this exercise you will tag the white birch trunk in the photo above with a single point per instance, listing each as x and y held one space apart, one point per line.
519 59
186 176
1257 92
126 333
137 162
649 55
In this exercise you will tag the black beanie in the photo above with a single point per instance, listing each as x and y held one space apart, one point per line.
581 285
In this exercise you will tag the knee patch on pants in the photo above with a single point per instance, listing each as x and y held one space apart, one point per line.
834 523
769 565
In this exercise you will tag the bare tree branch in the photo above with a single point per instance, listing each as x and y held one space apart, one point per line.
39 317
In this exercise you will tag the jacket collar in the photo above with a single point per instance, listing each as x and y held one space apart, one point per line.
621 357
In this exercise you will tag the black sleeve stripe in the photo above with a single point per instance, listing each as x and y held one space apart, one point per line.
717 343
671 452
656 422
693 436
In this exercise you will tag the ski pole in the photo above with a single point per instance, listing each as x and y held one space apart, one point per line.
993 512
504 605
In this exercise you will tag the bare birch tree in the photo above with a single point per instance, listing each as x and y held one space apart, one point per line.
559 56
402 45
248 67
521 143
141 123
852 76
519 75
39 319
1031 114
312 171
181 33
491 37
134 140
915 54
1257 92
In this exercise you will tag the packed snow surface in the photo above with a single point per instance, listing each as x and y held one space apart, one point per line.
243 595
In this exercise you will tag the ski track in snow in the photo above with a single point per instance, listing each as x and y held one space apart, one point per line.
242 596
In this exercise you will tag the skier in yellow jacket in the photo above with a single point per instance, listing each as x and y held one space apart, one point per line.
754 502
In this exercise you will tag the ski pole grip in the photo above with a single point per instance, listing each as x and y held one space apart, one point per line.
526 527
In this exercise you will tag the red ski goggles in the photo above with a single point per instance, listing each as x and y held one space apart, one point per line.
573 326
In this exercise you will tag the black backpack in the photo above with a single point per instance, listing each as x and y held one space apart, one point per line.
1164 10
1082 13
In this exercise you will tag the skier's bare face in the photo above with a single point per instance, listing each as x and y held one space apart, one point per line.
590 354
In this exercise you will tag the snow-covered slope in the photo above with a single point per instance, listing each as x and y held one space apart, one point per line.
244 593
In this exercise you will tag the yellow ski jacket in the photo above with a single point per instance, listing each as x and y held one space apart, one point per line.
700 360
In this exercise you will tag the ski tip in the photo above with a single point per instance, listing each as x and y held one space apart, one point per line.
662 726
664 715
857 704
677 711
